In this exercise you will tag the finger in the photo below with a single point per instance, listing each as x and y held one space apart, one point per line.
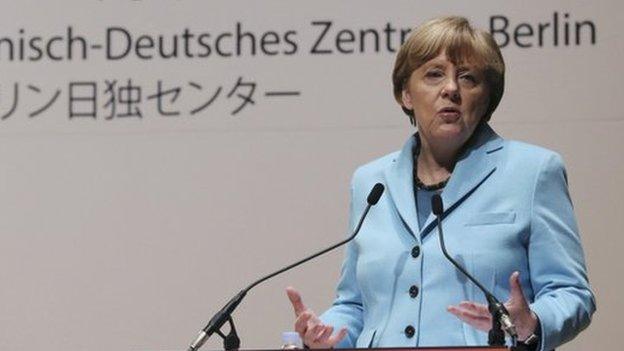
301 324
325 334
476 307
312 333
478 322
295 300
516 294
467 313
336 338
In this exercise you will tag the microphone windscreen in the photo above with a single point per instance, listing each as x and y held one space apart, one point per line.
436 204
375 194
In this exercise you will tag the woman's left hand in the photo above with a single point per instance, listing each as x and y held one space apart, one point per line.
478 316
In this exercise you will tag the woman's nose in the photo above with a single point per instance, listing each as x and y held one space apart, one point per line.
451 89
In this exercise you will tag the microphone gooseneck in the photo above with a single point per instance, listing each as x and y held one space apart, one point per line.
500 315
231 341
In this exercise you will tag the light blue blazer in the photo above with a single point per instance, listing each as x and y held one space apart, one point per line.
507 209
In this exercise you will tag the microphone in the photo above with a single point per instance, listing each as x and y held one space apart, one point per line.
231 341
500 315
375 194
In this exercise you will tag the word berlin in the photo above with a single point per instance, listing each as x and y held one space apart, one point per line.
323 37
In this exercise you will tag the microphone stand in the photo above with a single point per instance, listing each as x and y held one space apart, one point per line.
500 315
231 341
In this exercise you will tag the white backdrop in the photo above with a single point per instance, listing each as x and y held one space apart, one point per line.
128 233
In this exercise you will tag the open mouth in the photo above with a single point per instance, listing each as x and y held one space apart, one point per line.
449 114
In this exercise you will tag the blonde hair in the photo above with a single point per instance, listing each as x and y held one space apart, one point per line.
462 44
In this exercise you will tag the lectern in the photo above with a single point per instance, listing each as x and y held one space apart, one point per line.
443 348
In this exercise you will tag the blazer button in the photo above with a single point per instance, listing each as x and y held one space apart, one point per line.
409 331
416 251
413 291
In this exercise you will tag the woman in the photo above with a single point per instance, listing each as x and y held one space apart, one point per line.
508 217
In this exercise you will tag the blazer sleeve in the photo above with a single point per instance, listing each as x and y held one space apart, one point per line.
347 309
563 300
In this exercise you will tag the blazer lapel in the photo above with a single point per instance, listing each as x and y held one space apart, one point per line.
476 164
400 184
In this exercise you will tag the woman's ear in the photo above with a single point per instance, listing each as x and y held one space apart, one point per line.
406 100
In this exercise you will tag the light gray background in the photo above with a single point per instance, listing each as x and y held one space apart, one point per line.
130 234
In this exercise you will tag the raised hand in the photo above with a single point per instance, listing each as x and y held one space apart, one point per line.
313 332
478 316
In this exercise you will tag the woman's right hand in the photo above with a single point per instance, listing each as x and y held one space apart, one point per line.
313 332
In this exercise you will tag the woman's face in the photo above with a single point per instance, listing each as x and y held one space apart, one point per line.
448 100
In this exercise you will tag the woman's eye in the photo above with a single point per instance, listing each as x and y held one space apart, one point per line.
433 74
468 77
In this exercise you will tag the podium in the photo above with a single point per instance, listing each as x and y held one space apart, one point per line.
437 348
443 348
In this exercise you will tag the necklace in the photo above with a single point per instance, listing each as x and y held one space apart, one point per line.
433 187
419 183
